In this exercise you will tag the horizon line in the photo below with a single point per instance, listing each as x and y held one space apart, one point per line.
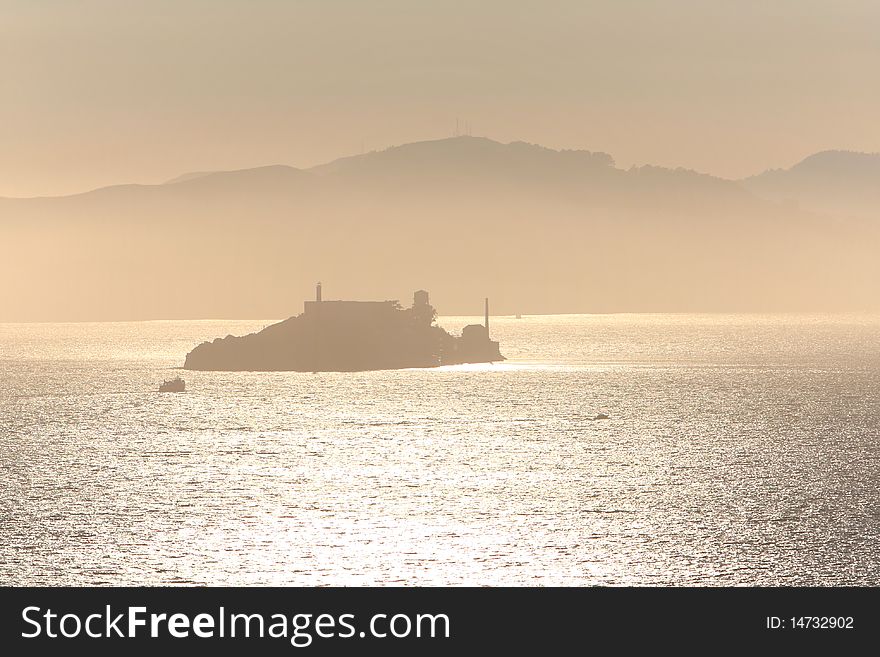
832 313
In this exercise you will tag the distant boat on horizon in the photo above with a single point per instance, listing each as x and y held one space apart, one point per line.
174 385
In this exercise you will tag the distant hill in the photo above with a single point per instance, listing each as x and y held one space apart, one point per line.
278 173
189 176
536 229
461 157
834 182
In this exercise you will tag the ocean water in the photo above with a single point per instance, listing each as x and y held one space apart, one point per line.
738 450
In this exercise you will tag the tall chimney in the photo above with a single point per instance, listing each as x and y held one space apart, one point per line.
318 292
487 316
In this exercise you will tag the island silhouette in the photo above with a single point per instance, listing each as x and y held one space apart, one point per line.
350 336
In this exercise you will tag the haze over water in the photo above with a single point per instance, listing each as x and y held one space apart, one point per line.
740 449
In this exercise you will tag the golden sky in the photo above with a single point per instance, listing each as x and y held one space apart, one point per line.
96 92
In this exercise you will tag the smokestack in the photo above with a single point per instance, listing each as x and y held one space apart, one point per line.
487 316
318 292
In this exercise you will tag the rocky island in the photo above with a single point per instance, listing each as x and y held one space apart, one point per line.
349 336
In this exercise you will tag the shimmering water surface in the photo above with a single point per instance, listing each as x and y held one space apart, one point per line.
739 450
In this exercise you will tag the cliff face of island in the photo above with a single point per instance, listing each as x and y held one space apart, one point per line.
347 336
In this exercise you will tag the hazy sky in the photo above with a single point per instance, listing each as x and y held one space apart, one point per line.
96 92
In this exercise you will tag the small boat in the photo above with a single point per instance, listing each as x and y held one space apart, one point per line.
601 416
174 385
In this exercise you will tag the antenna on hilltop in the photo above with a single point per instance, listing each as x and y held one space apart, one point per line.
462 129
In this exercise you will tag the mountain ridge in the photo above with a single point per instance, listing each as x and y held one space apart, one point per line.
839 182
816 164
538 230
